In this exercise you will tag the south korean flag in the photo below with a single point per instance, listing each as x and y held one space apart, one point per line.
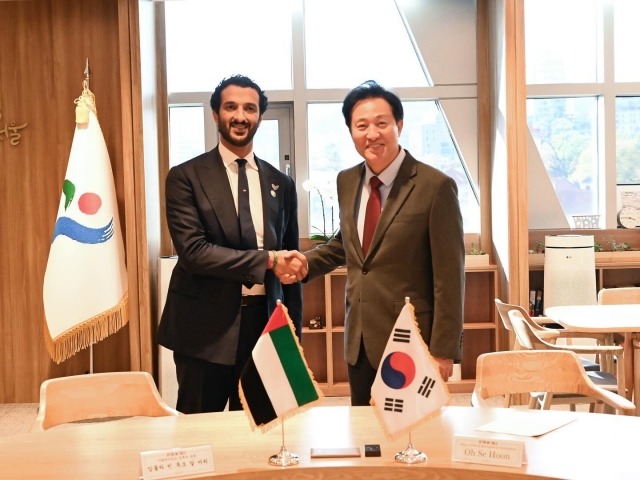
408 388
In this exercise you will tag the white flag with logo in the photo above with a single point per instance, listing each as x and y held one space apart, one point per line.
408 388
85 284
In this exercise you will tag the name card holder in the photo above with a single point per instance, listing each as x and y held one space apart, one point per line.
488 451
176 462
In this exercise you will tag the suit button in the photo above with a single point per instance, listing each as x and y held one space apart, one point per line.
365 271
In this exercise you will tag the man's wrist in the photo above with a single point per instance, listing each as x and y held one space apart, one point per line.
273 260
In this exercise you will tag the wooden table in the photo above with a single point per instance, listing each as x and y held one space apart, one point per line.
112 449
605 319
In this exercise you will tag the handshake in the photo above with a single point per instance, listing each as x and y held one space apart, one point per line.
290 266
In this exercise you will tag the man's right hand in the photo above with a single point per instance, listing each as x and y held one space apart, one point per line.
291 266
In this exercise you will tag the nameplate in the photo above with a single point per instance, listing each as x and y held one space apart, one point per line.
489 451
176 462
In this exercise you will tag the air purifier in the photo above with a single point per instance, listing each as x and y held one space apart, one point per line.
569 271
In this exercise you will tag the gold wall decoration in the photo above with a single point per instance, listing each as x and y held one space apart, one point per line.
10 131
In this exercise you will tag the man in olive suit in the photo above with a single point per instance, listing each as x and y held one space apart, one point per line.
400 236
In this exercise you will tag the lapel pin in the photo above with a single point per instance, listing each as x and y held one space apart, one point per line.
273 193
274 186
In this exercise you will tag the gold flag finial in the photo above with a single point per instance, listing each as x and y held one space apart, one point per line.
86 101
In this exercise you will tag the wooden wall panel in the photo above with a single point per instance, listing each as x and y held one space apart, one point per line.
502 100
45 44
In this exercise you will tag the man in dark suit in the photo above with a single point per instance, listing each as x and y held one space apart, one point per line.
400 236
228 214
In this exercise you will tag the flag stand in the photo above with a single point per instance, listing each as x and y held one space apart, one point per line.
284 458
410 454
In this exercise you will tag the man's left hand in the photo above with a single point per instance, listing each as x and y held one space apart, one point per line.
445 365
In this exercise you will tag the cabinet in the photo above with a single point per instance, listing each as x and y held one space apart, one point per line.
613 269
324 348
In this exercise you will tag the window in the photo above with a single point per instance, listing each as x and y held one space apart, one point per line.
306 54
628 140
425 135
565 132
349 42
186 134
206 41
627 39
561 41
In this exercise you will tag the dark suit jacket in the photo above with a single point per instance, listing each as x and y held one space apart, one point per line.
201 316
417 251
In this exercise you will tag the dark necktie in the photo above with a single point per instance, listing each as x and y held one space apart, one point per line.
372 214
247 230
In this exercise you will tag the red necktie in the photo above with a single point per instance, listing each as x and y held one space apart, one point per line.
372 215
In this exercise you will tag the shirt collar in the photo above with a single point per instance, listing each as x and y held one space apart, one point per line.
228 157
389 174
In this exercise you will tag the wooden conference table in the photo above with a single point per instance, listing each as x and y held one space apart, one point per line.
112 449
606 319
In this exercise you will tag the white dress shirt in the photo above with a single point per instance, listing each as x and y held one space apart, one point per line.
255 199
387 177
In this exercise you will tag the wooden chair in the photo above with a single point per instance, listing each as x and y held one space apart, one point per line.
636 379
529 340
620 296
558 371
550 335
100 395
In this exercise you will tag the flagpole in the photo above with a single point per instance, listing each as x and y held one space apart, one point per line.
284 458
86 79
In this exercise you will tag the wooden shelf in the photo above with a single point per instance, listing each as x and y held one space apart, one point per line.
314 330
461 386
479 325
324 297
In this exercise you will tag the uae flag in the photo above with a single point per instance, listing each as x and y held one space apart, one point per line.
408 388
276 382
85 283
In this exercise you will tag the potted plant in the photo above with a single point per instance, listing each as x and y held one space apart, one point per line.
323 235
615 252
536 258
476 257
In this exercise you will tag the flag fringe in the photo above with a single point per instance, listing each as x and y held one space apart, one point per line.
88 332
274 423
426 418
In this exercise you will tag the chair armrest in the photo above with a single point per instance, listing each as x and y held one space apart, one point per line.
478 401
601 337
604 349
618 402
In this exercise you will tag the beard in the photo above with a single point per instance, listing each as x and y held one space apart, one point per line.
238 141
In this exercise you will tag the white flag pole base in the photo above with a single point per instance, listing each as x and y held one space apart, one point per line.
411 455
284 458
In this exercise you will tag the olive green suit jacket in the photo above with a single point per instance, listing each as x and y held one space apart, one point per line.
417 251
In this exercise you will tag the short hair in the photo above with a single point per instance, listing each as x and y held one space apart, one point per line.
371 89
239 81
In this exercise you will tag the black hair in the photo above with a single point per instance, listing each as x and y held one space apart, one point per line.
371 89
239 81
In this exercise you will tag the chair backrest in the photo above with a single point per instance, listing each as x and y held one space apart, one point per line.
503 311
526 334
619 296
99 395
502 373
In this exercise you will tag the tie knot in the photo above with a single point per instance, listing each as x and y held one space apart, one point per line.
375 183
241 162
